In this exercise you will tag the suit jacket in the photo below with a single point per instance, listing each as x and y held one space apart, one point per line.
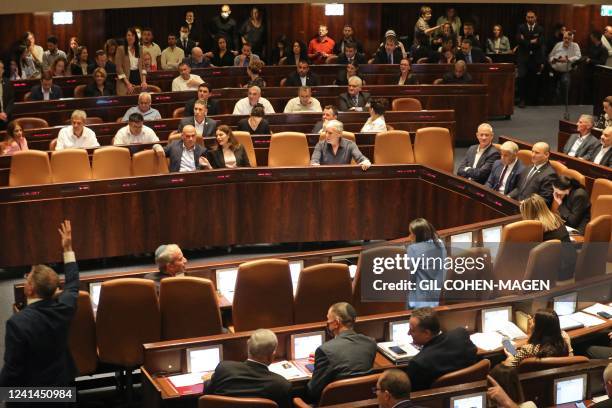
540 183
345 102
293 79
211 104
527 50
478 57
37 95
346 355
606 160
586 148
444 353
381 56
36 350
479 173
358 59
174 151
189 47
494 178
575 209
210 125
338 46
249 379
92 89
317 127
217 161
122 60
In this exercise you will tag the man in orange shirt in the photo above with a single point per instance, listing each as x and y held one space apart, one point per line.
321 46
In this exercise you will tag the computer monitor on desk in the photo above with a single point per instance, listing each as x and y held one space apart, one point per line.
477 400
565 304
493 318
305 344
570 389
398 332
204 359
491 237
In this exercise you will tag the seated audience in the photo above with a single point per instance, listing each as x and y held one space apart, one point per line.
607 380
441 352
186 81
255 124
421 50
445 34
172 55
376 121
99 86
52 53
227 151
351 55
280 50
349 71
297 53
321 46
605 119
347 354
15 139
144 108
393 389
447 56
572 202
101 61
353 99
203 95
583 144
304 102
254 72
302 76
204 125
330 112
602 155
81 66
252 378
458 75
244 105
170 262
76 135
505 389
59 67
245 58
135 132
347 38
405 77
335 149
470 34
499 43
73 47
46 91
479 159
196 59
184 154
546 339
469 54
537 178
221 57
506 171
390 53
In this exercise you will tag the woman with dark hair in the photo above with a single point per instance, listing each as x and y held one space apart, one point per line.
254 72
405 77
221 57
280 50
15 139
546 339
445 33
255 124
253 31
99 86
82 62
227 151
73 46
349 70
376 121
572 202
425 245
298 52
59 67
110 48
505 388
605 119
130 72
499 44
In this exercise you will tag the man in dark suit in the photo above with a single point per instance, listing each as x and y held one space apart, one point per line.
302 76
390 53
441 353
469 54
46 91
506 171
347 354
36 350
7 99
347 38
204 125
184 154
354 99
458 75
212 106
351 55
185 43
252 378
101 61
479 159
330 112
393 390
530 57
583 144
602 155
538 178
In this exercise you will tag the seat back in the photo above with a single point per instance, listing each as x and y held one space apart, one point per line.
82 336
517 240
178 113
32 123
70 165
523 231
348 390
111 162
244 138
544 261
592 257
525 157
332 59
557 166
602 206
475 372
406 104
601 186
150 88
263 296
468 274
573 174
531 364
148 162
30 167
393 147
189 307
79 91
288 149
127 317
218 401
433 147
319 287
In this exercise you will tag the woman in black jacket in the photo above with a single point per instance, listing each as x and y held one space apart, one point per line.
227 152
573 203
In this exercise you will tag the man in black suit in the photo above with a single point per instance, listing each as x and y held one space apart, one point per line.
351 55
469 54
530 57
602 155
101 61
7 99
390 53
479 159
204 125
353 100
330 112
538 178
393 390
46 91
583 144
458 75
212 106
252 378
185 43
441 353
302 76
347 354
193 153
36 350
347 38
506 171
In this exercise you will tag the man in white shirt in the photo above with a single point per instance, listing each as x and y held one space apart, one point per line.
304 102
135 132
76 135
204 125
506 170
583 144
606 40
561 58
245 105
186 81
603 154
149 46
479 159
172 56
144 108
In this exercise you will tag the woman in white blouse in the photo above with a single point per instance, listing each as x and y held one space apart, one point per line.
376 121
130 71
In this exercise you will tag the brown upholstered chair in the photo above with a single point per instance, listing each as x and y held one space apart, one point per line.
470 274
53 145
175 135
497 146
332 59
263 296
558 166
475 372
70 165
601 186
189 307
150 88
573 174
82 336
79 91
178 113
32 123
218 401
30 167
393 147
244 138
288 149
319 287
525 157
347 135
345 391
602 206
111 162
148 162
433 147
538 364
544 262
406 104
592 257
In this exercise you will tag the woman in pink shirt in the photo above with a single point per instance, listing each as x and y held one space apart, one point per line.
15 139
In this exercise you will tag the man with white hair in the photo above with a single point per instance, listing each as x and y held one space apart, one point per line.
479 159
76 135
245 105
602 155
506 170
582 144
353 99
170 261
252 378
335 149
607 379
144 108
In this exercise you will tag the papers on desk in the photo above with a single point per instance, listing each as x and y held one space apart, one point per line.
586 319
511 330
186 380
598 307
398 353
487 341
600 398
568 323
288 370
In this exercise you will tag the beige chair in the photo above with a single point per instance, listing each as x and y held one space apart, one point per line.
148 162
30 167
544 262
178 113
592 257
602 206
475 372
218 401
601 186
79 91
70 165
344 391
433 147
82 336
525 157
288 149
406 104
557 166
393 147
575 175
244 138
111 162
532 364
32 123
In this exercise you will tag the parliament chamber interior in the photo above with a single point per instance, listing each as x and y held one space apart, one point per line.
310 204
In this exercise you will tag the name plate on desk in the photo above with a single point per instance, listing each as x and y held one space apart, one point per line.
74 188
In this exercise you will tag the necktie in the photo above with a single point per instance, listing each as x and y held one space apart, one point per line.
390 58
355 100
184 43
501 178
530 175
468 58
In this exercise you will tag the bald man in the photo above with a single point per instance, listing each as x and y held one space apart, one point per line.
479 159
537 178
185 154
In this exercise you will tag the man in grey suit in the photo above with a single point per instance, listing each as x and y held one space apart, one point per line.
353 100
479 159
538 178
204 125
347 354
184 154
583 144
